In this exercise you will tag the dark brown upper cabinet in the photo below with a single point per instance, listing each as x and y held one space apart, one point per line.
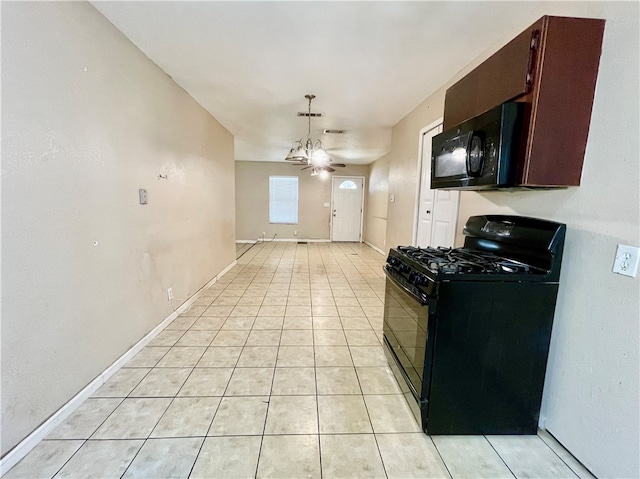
552 67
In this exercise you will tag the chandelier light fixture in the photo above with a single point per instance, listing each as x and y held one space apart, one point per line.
309 152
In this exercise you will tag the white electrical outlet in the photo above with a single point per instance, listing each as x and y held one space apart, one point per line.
626 261
295 233
169 294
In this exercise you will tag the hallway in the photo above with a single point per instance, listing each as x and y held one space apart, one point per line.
277 370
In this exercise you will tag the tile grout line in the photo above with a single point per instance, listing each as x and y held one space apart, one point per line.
219 403
69 460
168 406
373 432
444 463
558 455
84 441
499 455
162 415
266 416
340 320
315 378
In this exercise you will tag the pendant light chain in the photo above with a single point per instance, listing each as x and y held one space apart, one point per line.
309 119
310 152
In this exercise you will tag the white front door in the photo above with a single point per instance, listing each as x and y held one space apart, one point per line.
437 209
346 209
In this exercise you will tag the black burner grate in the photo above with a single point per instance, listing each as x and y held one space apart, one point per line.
463 260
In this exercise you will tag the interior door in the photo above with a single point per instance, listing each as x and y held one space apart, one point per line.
445 218
347 196
437 209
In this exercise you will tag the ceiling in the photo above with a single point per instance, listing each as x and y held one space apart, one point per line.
369 63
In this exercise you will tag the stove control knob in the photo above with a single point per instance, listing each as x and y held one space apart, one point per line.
418 279
404 268
392 261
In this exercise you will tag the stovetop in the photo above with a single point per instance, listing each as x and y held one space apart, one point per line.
460 261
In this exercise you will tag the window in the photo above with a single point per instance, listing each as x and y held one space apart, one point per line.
348 185
283 200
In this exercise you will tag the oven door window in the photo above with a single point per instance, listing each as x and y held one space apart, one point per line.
405 327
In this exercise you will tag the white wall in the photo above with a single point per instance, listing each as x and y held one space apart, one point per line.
591 399
87 120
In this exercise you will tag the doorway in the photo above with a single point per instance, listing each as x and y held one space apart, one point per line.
436 210
347 204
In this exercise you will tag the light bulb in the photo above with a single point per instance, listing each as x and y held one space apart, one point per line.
319 157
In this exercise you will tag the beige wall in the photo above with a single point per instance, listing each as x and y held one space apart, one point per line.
591 393
87 120
252 200
377 201
403 168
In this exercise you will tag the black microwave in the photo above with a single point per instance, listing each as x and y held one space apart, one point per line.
480 153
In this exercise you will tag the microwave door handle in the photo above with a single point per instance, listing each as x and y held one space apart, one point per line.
479 134
467 148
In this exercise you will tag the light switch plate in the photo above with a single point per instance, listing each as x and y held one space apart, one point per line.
392 198
326 205
144 196
626 261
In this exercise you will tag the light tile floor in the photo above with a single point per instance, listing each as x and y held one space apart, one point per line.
276 371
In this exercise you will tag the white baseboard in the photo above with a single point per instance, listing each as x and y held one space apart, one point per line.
286 240
375 248
580 469
246 241
214 279
542 422
305 240
27 444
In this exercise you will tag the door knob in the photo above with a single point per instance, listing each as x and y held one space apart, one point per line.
428 212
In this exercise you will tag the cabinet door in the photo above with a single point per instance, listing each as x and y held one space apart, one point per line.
508 73
500 78
561 102
459 102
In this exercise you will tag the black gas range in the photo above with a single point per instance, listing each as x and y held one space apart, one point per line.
467 330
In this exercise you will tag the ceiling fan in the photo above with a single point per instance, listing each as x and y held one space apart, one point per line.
310 153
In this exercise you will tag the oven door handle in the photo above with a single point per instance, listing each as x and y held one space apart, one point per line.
387 271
